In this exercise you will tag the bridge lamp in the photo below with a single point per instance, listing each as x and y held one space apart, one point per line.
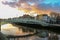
35 16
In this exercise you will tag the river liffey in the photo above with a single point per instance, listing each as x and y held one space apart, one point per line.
17 32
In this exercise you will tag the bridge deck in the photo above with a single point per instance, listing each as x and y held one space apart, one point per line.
31 21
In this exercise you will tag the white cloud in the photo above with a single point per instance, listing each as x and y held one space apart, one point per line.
9 12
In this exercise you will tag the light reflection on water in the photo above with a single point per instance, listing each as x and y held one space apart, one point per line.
9 29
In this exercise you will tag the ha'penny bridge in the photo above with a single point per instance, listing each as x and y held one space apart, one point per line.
32 23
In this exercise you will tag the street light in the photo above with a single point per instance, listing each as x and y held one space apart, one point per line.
35 16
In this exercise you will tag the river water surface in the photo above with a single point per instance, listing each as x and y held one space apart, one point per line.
17 30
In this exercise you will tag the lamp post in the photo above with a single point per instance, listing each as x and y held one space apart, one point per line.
35 16
0 24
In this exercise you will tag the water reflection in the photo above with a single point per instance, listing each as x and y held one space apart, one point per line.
13 29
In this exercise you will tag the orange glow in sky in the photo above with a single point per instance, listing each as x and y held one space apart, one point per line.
9 12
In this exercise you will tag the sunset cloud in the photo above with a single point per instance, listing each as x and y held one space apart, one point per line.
39 6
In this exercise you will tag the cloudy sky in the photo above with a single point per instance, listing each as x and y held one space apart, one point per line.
53 5
8 6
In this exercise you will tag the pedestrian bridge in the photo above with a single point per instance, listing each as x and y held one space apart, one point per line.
31 21
38 24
